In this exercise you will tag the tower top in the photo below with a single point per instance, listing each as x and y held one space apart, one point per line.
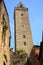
20 5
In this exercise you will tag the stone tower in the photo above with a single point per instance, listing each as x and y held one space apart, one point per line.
4 35
23 36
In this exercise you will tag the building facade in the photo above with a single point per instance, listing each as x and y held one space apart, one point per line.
4 35
23 36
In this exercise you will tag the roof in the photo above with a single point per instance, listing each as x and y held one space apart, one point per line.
36 46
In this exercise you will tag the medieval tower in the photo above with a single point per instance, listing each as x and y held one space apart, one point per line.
4 35
23 36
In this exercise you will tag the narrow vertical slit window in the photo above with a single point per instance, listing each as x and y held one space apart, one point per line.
24 36
4 63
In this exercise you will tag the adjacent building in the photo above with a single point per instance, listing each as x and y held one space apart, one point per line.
4 35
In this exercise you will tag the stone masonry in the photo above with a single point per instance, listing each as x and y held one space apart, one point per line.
4 35
23 36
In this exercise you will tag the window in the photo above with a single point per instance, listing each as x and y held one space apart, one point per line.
25 43
24 36
4 63
22 14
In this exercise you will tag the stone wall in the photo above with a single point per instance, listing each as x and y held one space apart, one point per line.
23 36
4 35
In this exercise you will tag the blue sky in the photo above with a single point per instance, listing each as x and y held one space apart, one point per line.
35 12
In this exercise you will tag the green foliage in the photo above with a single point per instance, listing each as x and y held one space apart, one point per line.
17 61
19 52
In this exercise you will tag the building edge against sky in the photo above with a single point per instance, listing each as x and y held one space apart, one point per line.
4 35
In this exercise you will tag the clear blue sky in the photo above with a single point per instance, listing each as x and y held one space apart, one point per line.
35 12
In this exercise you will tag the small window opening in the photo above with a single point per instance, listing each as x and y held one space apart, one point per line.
25 43
22 14
24 36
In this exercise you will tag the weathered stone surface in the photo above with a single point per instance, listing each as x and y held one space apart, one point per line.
23 36
4 35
